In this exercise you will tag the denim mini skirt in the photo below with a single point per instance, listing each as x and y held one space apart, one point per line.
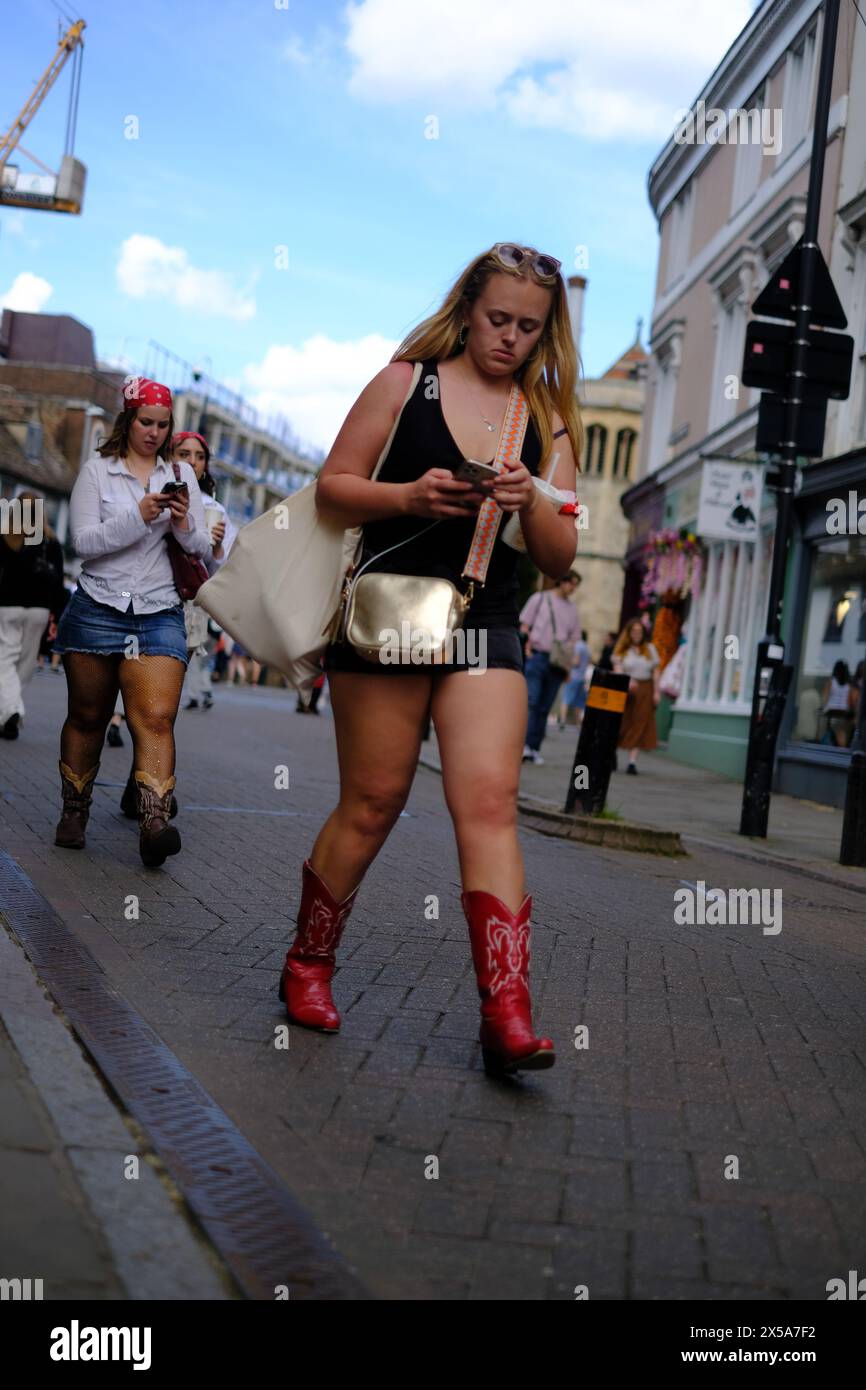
88 626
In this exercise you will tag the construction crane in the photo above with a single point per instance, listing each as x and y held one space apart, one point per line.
63 192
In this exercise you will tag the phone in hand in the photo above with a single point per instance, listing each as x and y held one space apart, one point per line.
472 471
168 489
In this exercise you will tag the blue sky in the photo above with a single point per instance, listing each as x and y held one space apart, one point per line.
269 124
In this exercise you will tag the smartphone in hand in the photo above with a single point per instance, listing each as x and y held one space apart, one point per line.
168 489
472 471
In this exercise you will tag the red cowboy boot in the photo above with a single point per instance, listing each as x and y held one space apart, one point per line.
305 984
500 953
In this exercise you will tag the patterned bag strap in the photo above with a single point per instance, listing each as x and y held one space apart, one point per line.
490 513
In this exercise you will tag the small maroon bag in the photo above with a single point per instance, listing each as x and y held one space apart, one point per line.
189 571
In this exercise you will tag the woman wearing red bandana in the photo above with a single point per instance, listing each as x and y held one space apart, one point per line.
123 629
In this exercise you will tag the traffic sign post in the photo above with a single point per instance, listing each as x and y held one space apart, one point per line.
799 365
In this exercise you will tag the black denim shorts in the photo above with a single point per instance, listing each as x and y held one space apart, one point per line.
483 648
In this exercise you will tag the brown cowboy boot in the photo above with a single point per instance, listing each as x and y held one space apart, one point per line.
305 984
77 793
158 839
129 800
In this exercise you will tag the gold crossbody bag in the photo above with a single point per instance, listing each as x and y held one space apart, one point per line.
402 618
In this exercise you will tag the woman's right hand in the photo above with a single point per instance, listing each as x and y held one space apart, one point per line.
438 493
151 505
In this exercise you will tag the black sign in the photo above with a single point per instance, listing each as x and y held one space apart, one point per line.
769 348
781 295
770 433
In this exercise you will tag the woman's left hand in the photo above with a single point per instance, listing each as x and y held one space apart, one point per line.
178 506
513 489
656 697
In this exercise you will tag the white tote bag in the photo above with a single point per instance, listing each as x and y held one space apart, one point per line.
280 586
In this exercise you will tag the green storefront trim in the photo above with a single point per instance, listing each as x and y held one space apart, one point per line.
717 742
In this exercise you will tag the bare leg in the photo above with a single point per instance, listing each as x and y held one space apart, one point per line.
151 688
480 721
92 681
378 721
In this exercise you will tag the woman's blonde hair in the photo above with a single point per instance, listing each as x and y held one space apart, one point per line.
623 642
549 375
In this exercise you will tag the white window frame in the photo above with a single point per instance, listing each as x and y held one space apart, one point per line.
732 286
679 236
798 91
732 601
749 158
667 350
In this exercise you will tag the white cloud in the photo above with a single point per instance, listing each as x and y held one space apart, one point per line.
314 385
295 53
148 269
620 70
27 293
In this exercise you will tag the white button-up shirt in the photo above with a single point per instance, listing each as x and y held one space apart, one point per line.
125 557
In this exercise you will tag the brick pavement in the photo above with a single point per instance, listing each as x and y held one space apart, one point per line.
608 1171
75 1221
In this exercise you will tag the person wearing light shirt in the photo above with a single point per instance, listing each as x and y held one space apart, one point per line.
124 628
193 449
551 622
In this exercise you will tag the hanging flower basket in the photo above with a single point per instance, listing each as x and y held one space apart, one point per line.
673 563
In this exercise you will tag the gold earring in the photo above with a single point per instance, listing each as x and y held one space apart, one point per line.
462 335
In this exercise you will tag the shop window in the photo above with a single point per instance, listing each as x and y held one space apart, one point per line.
834 644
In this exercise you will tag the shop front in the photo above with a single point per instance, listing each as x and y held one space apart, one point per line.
825 625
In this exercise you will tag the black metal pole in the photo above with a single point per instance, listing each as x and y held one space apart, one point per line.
852 849
768 670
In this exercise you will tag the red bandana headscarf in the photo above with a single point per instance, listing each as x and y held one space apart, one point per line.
189 434
140 390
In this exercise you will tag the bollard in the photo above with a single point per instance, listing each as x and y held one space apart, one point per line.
772 680
853 847
596 747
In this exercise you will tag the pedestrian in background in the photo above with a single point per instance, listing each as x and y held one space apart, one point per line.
192 449
636 657
32 596
552 624
574 690
840 706
605 661
237 667
501 339
123 628
189 447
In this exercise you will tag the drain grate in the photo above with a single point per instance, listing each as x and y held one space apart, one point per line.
263 1234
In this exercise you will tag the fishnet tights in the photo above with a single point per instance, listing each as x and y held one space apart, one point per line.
150 686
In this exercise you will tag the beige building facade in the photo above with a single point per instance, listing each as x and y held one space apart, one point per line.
612 410
729 211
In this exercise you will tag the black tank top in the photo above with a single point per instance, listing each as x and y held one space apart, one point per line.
422 441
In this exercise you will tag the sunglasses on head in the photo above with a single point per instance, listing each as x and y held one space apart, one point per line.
512 257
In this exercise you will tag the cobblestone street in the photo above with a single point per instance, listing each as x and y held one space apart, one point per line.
704 1042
